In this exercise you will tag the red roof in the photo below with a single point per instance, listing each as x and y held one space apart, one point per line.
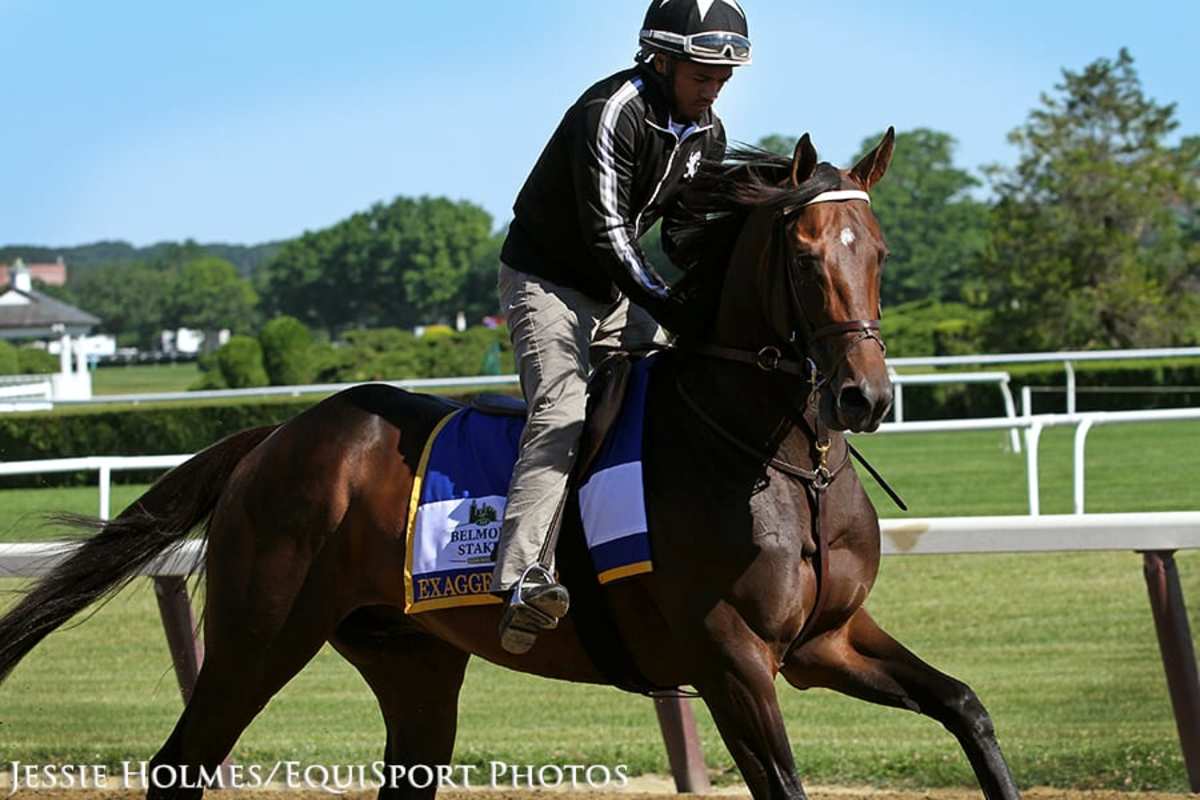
49 274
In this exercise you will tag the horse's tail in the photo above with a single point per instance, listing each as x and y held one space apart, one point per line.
160 519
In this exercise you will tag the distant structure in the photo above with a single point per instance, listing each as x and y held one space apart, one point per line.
54 274
27 314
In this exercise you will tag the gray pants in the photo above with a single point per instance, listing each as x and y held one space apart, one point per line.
554 331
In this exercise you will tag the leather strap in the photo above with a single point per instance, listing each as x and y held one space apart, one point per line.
768 359
807 475
867 326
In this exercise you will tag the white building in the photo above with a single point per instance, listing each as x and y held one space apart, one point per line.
27 314
188 341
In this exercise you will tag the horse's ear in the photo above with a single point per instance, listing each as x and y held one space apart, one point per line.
871 169
804 162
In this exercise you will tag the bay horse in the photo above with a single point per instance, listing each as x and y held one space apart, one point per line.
765 545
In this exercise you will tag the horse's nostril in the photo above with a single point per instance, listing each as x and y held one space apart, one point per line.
854 403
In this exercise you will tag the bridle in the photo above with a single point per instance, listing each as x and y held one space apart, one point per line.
771 359
805 333
804 336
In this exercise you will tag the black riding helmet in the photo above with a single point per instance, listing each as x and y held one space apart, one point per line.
703 31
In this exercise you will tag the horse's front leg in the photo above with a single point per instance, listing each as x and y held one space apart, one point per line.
861 660
738 685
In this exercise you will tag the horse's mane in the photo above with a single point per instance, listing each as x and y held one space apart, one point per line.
715 208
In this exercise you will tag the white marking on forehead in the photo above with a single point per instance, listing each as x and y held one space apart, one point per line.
848 237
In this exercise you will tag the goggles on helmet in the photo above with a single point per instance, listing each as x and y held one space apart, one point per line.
711 45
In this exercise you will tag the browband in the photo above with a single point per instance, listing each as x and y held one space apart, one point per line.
837 197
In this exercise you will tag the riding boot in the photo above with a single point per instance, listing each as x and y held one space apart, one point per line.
536 603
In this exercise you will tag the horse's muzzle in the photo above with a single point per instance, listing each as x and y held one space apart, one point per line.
860 406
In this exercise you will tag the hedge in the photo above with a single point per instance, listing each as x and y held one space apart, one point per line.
152 430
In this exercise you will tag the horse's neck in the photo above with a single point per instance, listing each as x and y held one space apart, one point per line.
756 406
747 303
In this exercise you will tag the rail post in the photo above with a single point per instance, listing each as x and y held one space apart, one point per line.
897 399
105 490
1010 411
1070 386
1033 435
678 727
187 652
1081 434
1178 655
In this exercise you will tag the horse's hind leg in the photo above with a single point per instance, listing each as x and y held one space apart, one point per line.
268 611
416 679
863 661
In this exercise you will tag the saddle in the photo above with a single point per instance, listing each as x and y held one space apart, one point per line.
606 393
589 611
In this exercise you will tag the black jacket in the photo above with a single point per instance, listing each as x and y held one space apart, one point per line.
611 170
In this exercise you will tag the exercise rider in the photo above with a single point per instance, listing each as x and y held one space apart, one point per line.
573 276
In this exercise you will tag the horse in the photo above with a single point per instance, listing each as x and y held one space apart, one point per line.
765 544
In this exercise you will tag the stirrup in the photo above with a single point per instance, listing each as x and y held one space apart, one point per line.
530 611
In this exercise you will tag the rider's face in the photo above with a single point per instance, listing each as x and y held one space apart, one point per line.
697 87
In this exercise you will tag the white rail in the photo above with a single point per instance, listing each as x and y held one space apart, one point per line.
1178 530
105 465
482 382
1068 358
1001 379
26 391
1117 418
1043 358
1032 427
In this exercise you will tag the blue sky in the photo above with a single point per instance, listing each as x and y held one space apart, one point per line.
256 120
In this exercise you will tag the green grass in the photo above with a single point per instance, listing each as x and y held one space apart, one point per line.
1060 647
144 379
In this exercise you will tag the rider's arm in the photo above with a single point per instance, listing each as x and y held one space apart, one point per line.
603 179
678 213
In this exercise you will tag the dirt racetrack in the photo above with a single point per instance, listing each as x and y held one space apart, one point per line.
814 793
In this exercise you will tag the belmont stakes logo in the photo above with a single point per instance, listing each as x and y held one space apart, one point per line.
482 514
476 540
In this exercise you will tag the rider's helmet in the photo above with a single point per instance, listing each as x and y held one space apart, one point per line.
704 31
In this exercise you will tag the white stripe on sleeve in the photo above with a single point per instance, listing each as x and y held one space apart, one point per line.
617 233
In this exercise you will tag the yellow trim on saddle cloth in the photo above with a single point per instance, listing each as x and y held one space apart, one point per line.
410 536
627 571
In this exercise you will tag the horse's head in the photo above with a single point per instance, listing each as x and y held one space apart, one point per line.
828 272
809 260
784 259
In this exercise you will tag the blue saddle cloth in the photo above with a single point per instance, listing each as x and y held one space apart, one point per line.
459 493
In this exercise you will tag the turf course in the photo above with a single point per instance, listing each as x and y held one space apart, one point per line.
145 379
1060 647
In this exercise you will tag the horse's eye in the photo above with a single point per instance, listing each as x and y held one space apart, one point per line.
807 261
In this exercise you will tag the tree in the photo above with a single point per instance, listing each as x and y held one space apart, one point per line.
415 261
32 361
132 300
288 352
9 365
209 295
240 363
1091 244
479 295
934 229
779 144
